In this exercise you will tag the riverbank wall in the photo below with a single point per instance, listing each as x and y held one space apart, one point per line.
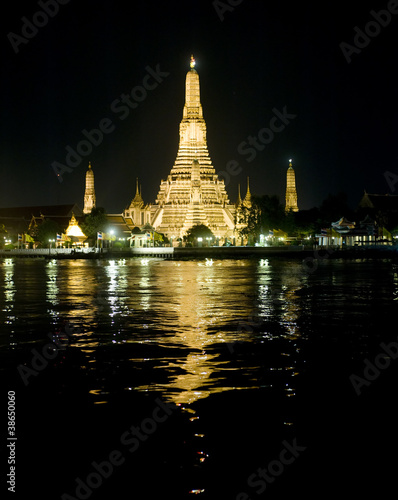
180 253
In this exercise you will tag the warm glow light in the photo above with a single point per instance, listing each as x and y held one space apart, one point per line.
192 63
74 231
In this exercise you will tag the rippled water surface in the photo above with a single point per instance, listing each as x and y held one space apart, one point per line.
250 354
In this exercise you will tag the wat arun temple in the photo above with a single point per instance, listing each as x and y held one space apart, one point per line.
193 193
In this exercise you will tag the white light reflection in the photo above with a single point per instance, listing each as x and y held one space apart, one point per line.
117 285
112 273
395 281
9 286
52 288
145 294
277 287
9 291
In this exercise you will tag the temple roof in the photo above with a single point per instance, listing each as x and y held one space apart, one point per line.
247 202
379 201
137 201
74 230
343 224
367 220
120 223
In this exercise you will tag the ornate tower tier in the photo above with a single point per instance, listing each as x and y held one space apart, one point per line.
291 192
193 193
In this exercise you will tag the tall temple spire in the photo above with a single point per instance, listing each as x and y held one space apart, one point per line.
193 143
193 193
291 192
247 202
238 202
192 108
89 193
137 200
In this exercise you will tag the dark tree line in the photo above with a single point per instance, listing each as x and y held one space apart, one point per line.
268 213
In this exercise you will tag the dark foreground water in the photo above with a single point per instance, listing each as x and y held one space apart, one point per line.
232 379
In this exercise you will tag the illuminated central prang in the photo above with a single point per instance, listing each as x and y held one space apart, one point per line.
193 193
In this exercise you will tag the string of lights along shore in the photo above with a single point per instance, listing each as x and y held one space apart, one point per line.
192 193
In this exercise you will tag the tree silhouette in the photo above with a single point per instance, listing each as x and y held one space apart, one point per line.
47 230
94 222
265 214
198 231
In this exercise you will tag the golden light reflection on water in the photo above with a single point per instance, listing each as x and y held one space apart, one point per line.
185 324
188 296
194 311
208 304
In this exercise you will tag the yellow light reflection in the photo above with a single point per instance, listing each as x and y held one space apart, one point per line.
185 312
194 295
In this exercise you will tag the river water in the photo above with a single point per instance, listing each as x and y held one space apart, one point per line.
226 379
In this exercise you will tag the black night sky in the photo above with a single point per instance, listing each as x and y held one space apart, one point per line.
260 57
